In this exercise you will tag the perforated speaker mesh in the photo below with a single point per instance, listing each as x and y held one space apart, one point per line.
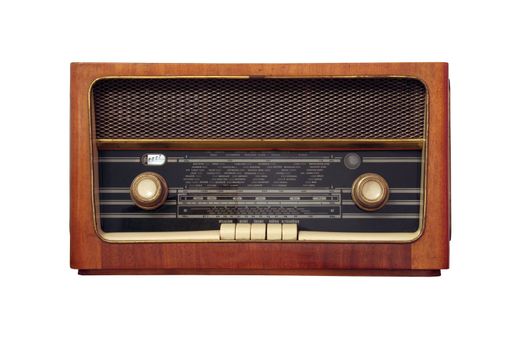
210 108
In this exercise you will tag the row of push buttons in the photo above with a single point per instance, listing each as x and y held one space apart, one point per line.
269 232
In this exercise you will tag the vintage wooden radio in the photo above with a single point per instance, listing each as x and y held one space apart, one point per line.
260 168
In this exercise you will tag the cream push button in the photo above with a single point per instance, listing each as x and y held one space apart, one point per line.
258 231
289 232
370 192
243 232
149 190
274 232
227 231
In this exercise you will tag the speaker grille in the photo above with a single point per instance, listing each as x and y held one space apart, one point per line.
210 108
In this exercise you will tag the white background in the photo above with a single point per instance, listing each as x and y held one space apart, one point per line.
476 304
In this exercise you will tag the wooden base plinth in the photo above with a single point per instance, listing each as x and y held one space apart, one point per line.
408 273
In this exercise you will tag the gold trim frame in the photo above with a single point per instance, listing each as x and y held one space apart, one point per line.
210 144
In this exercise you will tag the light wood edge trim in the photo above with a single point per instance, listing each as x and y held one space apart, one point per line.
359 237
303 237
180 236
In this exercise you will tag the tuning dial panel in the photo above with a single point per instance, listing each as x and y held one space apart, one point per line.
370 191
261 195
149 190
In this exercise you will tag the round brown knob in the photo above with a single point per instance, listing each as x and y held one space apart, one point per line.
149 190
370 192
